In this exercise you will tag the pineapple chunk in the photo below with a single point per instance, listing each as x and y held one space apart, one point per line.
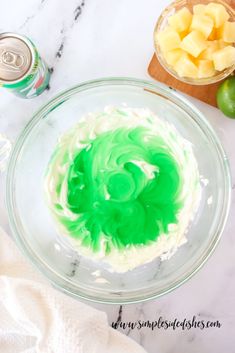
181 20
203 24
217 12
224 58
219 32
214 34
194 43
222 44
227 32
168 40
212 46
205 68
199 9
173 56
183 34
185 67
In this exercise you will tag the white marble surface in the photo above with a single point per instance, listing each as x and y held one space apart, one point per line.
97 38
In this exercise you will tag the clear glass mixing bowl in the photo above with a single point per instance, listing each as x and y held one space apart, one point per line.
34 229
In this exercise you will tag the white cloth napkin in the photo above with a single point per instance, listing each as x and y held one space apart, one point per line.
35 318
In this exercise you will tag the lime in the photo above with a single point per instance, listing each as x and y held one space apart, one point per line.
226 97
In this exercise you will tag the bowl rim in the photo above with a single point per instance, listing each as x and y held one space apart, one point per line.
54 276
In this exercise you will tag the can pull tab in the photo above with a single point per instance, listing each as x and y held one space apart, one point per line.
12 60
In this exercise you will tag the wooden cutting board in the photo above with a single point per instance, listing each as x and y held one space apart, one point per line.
205 93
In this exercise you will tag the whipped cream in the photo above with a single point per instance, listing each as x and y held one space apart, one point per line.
87 130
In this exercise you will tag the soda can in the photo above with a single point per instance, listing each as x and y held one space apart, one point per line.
22 70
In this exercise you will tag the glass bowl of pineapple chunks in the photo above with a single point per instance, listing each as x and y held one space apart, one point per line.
195 40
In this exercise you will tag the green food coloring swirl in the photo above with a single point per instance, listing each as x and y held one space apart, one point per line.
124 187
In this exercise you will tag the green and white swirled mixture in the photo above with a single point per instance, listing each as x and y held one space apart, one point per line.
123 186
